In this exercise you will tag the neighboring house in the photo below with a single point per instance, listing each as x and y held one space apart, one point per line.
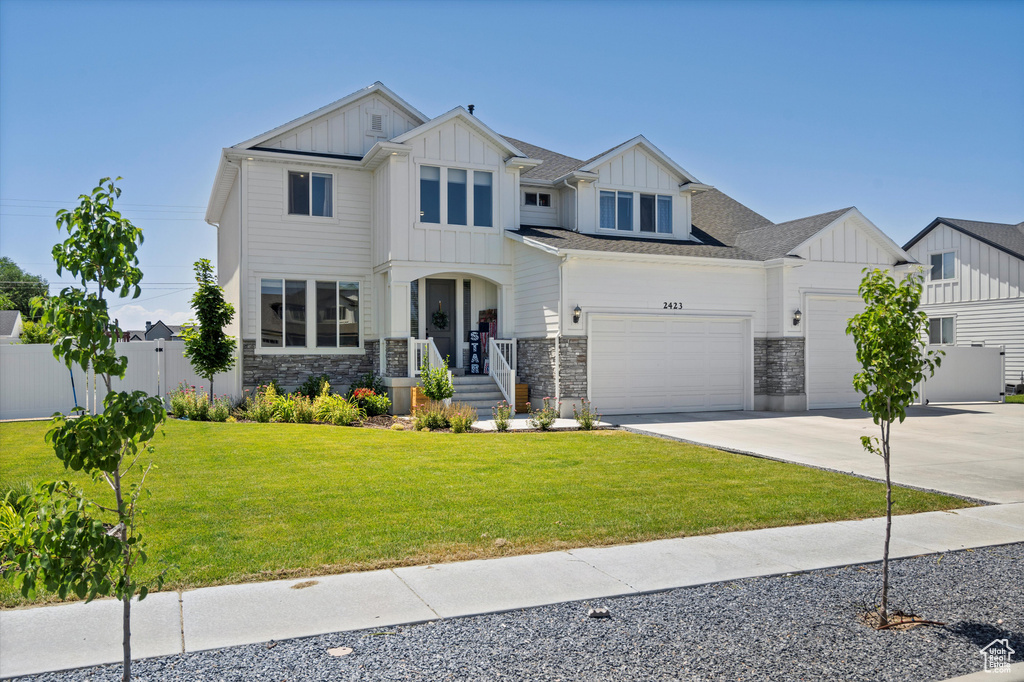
346 234
10 326
974 285
152 332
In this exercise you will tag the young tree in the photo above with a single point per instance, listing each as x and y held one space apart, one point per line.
207 347
890 347
66 542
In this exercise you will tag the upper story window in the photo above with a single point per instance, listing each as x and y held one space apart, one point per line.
537 199
616 211
940 330
459 202
943 266
285 324
656 213
310 194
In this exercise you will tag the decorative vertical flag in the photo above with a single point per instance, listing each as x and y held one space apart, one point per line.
475 354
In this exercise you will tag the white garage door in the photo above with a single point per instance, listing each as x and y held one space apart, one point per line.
831 353
667 364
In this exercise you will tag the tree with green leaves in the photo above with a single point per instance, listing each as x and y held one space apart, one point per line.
19 287
889 335
37 332
208 349
66 542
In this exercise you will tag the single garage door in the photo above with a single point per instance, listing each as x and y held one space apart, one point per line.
831 359
667 364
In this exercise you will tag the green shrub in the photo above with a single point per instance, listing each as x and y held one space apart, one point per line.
545 417
314 385
502 414
372 403
18 494
293 409
436 415
220 409
369 380
585 416
259 406
334 409
435 381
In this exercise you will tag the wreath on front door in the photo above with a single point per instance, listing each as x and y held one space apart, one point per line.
440 318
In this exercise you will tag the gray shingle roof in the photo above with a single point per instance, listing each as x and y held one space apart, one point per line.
555 165
1003 236
776 241
7 320
725 227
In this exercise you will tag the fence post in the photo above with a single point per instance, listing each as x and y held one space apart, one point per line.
161 368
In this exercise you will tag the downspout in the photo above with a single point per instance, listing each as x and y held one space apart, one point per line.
558 336
576 206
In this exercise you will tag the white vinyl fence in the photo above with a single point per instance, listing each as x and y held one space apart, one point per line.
35 384
967 374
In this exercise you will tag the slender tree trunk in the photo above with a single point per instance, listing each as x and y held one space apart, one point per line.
126 600
126 642
211 389
886 428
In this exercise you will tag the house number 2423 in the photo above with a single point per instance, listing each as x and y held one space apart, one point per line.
673 305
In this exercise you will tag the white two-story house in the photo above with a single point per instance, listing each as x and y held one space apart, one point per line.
974 286
358 237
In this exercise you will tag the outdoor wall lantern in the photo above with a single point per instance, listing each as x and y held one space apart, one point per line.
796 317
576 315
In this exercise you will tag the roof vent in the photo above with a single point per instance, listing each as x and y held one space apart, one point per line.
471 107
376 122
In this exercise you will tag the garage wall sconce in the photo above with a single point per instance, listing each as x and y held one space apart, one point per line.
576 312
797 315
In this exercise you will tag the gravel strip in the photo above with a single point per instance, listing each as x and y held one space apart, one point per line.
796 627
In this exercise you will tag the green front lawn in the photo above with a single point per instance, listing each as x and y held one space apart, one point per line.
1015 399
237 502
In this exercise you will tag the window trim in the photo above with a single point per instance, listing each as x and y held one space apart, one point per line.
310 348
636 231
288 169
952 323
537 195
470 168
956 266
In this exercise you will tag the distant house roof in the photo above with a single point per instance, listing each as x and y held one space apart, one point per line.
8 321
722 228
1002 236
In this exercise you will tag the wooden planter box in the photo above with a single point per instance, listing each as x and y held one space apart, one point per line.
522 397
418 399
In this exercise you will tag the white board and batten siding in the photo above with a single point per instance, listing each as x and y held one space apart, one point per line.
536 287
302 247
847 242
452 144
543 216
635 170
351 130
986 298
33 384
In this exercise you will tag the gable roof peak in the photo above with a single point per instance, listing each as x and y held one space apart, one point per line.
641 141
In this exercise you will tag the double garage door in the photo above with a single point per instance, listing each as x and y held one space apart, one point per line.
667 364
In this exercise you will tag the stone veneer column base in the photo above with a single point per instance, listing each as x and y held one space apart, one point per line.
779 374
572 372
535 366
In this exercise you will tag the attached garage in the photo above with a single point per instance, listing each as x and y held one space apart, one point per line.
831 355
652 363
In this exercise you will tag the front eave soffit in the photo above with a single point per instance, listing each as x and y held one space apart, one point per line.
377 88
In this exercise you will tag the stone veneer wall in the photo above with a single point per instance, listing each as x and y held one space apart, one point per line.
535 366
291 370
779 366
397 358
572 367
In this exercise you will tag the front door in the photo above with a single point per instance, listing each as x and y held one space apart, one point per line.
440 310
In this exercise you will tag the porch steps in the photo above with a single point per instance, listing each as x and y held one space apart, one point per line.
478 391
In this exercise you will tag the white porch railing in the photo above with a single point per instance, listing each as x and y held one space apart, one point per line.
420 348
502 355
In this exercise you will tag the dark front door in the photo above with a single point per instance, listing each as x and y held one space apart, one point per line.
440 309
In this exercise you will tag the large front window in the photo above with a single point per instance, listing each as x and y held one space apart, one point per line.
616 212
310 194
460 204
285 324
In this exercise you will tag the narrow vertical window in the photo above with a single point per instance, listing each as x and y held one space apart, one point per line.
322 195
648 216
298 193
430 194
348 314
483 199
327 314
456 196
467 308
607 210
625 212
294 312
665 215
414 309
947 330
271 309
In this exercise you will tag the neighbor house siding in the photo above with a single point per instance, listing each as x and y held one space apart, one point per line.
991 323
983 273
536 293
301 247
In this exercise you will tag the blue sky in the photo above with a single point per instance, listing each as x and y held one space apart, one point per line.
907 110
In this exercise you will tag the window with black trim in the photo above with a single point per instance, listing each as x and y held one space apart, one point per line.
283 306
310 194
537 199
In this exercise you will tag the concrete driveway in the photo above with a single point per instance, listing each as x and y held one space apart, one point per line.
975 450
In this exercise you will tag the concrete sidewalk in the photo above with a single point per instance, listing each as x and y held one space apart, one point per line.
67 636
